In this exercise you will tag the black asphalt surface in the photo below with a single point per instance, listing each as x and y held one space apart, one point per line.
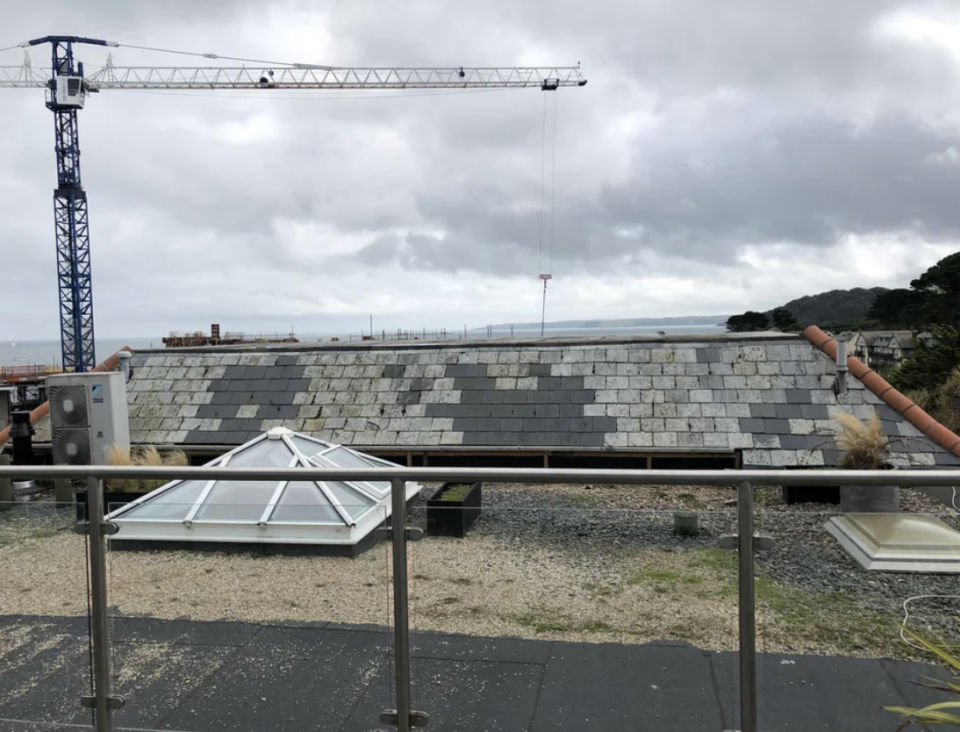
211 676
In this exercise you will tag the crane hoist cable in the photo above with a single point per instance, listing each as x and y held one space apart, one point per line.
216 56
546 276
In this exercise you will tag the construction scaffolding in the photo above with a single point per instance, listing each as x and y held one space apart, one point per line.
199 338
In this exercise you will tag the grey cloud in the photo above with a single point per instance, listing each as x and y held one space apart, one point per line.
806 182
706 126
803 182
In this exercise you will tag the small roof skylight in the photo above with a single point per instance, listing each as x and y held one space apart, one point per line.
296 512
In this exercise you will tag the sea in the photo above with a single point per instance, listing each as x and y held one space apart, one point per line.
47 353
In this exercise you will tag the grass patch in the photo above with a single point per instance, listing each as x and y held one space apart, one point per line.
41 534
789 617
690 500
599 590
831 620
768 496
585 501
652 575
16 530
548 621
715 560
455 492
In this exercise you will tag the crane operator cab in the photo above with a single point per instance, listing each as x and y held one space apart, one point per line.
71 91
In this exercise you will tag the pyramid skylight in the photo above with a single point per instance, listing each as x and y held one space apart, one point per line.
279 512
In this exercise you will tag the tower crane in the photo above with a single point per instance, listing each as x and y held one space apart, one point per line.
66 91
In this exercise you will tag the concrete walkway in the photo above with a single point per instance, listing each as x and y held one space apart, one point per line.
205 677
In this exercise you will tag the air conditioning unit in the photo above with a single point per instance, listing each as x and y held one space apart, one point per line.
71 91
88 414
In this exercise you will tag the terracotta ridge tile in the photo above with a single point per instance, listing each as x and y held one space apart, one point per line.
897 401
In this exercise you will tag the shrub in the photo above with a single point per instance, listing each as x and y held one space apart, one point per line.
934 713
930 365
941 401
147 456
864 445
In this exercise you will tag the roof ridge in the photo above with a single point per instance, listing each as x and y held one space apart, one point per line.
44 409
903 405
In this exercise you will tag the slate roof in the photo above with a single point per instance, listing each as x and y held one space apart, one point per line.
770 399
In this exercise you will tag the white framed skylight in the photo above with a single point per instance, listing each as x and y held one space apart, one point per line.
279 512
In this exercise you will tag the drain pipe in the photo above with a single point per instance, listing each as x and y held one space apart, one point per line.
21 435
840 385
124 357
6 487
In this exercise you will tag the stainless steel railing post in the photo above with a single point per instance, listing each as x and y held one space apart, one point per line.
102 699
401 619
747 610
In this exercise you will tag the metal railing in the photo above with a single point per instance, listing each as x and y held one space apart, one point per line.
103 701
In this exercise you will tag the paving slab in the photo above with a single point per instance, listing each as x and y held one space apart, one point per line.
44 675
44 680
473 648
159 677
206 677
905 675
187 632
287 686
466 696
589 687
814 693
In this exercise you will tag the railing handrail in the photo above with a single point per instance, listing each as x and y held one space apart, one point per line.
502 475
104 702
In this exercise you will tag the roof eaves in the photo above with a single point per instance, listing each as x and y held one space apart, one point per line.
904 406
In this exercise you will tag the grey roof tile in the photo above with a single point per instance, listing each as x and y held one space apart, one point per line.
776 426
611 397
713 410
716 440
756 458
788 411
793 442
814 411
708 355
760 410
798 396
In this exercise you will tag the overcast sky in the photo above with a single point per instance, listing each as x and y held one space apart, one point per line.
723 156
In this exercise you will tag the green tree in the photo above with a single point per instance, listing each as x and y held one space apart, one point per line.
940 288
930 366
835 306
783 319
900 308
748 321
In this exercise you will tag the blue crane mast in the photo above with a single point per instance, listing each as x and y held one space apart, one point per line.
65 96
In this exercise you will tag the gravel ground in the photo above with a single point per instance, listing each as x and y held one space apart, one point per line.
564 562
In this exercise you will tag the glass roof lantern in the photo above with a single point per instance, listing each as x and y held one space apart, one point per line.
277 512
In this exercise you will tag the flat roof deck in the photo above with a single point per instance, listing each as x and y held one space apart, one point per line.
204 676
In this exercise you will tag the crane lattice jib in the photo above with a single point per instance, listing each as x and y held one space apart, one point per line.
70 200
147 77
